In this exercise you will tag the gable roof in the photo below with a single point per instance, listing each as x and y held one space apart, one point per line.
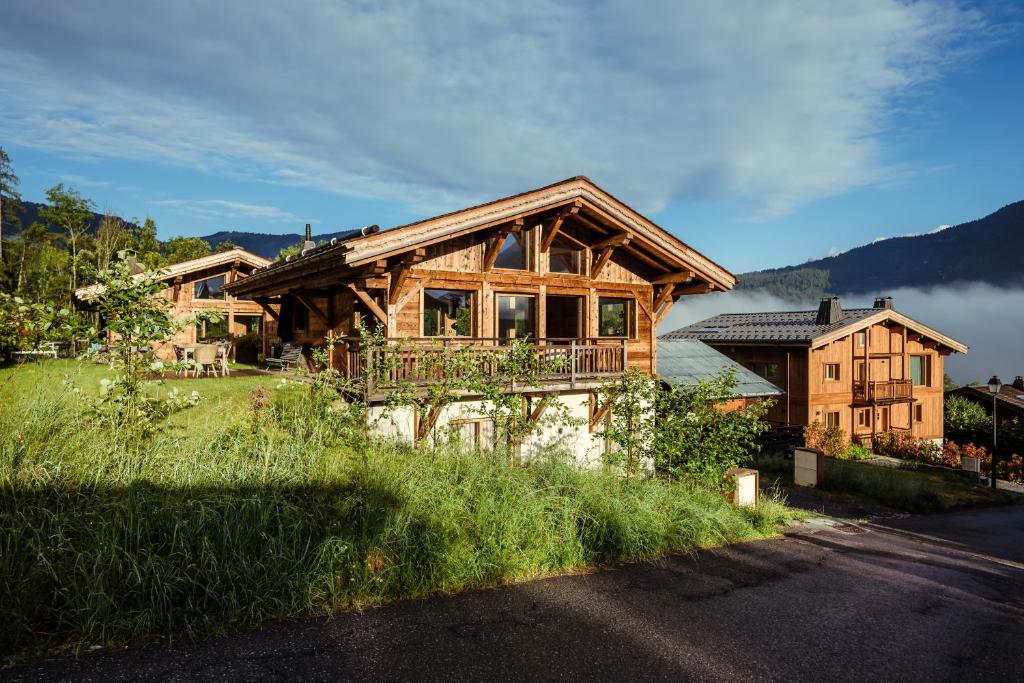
170 272
1009 396
658 245
689 361
800 327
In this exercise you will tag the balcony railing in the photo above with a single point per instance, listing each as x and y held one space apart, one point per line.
420 361
880 392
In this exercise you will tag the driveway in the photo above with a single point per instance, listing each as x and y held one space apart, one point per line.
936 598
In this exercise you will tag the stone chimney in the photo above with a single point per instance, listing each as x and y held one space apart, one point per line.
829 311
309 243
1018 382
883 302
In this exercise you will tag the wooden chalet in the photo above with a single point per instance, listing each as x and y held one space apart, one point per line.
200 284
866 370
579 274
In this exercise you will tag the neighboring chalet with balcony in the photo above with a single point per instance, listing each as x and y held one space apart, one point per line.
199 284
867 370
579 274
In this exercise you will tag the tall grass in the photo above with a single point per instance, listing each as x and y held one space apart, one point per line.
107 540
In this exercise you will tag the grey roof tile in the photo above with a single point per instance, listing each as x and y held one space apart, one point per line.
784 326
688 361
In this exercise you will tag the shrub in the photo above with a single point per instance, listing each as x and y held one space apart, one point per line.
829 440
966 421
855 451
906 446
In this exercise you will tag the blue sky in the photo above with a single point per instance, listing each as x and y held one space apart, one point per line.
764 134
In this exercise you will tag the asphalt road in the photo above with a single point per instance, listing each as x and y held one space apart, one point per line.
937 598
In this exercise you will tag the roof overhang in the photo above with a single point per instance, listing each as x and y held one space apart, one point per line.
651 242
890 315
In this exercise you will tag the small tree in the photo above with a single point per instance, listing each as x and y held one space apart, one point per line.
966 421
698 437
629 428
9 196
72 213
178 249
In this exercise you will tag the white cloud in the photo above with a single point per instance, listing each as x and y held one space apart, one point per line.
218 209
433 104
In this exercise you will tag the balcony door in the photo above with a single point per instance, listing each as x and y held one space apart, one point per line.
563 317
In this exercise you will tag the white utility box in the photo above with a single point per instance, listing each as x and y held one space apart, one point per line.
808 467
745 490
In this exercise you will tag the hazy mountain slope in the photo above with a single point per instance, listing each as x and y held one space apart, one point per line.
990 249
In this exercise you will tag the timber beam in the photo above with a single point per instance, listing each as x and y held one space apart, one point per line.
618 239
698 288
674 278
556 224
313 308
499 240
400 274
264 303
368 301
663 295
605 256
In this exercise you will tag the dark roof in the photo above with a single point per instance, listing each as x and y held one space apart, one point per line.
786 326
688 361
1009 396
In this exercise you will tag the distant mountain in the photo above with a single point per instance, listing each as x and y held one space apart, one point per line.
990 250
28 213
263 244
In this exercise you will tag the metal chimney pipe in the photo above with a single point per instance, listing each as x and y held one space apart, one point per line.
309 243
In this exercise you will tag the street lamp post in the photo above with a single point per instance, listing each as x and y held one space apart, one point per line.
993 385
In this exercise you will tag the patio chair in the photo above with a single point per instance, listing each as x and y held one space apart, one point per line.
223 351
290 355
206 359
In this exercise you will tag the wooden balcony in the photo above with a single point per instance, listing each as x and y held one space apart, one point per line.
420 361
889 391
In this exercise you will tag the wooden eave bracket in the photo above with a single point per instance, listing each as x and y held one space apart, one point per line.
400 274
377 311
556 224
697 288
597 414
499 239
674 278
621 240
264 303
313 308
177 288
538 411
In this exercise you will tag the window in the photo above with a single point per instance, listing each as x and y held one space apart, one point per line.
862 339
566 257
919 370
447 313
862 372
209 288
918 413
516 317
864 418
831 372
515 251
770 371
300 318
615 317
832 419
248 324
206 329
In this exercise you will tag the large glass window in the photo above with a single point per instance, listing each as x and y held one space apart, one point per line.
615 317
447 313
211 288
515 251
919 370
248 324
516 318
209 330
566 257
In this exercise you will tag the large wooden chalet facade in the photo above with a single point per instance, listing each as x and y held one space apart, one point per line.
866 370
582 276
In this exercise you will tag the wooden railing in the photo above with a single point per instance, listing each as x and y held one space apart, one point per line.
888 390
421 361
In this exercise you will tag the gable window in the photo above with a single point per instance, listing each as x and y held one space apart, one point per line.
210 288
831 372
769 371
447 313
862 339
516 316
615 317
832 419
300 318
514 253
919 370
566 257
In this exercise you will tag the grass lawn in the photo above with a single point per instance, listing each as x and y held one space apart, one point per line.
234 515
903 489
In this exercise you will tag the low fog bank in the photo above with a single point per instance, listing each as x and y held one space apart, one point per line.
988 319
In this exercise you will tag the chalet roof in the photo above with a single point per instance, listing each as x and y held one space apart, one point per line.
1009 396
799 327
689 361
579 193
223 258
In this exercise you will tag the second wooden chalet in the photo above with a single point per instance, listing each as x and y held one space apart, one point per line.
568 267
865 370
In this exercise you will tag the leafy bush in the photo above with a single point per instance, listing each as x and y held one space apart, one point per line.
829 440
906 446
855 451
1010 468
966 421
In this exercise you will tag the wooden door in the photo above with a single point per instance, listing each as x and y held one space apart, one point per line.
885 418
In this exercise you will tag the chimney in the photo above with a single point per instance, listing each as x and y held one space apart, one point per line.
883 302
829 311
309 243
1018 382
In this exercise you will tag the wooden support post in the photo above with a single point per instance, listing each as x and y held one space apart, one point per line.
177 288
